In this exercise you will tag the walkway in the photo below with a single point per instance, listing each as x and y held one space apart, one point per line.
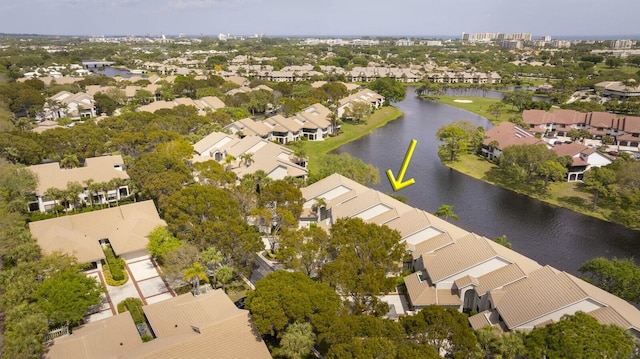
144 283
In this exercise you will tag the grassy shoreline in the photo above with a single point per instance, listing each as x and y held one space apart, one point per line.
479 106
349 132
559 194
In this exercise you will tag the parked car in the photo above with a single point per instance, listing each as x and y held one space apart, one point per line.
240 303
613 153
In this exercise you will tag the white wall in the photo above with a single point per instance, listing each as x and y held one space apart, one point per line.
475 271
585 305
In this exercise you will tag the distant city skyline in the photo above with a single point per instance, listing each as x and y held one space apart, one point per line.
403 18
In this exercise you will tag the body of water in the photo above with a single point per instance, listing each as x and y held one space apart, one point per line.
466 91
112 72
547 234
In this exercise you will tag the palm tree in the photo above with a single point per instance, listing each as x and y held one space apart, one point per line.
224 274
74 189
193 275
89 184
318 206
247 159
70 161
446 211
297 341
56 195
228 160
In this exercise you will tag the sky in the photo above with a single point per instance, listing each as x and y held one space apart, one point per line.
418 18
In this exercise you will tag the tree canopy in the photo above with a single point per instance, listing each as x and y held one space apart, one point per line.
360 257
283 298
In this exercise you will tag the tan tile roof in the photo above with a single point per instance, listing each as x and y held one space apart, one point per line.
432 244
527 264
499 278
125 226
100 169
250 126
210 140
109 338
544 291
156 105
329 188
468 251
629 312
484 318
206 326
267 156
288 123
422 294
373 200
213 102
466 281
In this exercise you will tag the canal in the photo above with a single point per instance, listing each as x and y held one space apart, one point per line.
547 234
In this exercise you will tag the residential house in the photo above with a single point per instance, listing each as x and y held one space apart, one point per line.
276 160
504 135
313 122
583 158
283 129
617 89
75 106
447 76
628 132
83 235
204 104
97 169
463 270
316 122
625 130
370 97
368 74
197 327
250 127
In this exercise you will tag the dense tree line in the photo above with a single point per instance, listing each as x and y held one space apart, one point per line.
37 292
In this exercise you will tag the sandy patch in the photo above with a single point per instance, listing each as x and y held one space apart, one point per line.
463 101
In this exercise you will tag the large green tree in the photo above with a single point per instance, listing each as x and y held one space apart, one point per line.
65 296
443 329
455 141
304 250
600 181
579 336
283 298
348 166
208 216
361 257
617 276
392 90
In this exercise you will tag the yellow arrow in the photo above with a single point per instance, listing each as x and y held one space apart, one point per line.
398 184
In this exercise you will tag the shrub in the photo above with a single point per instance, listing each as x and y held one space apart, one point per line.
133 306
146 338
116 265
109 278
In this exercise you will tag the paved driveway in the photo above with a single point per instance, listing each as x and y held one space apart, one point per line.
144 283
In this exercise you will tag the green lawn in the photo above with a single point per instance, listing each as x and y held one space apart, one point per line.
348 132
603 69
561 194
479 106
